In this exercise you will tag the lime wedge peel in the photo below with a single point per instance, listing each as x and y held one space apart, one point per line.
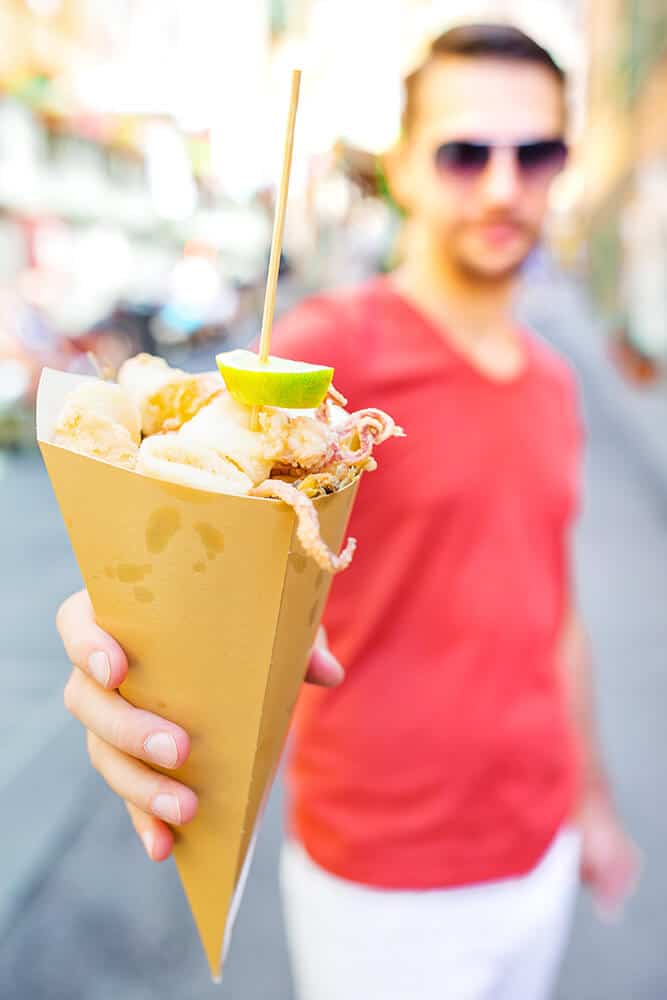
293 385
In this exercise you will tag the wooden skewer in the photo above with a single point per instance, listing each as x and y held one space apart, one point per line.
277 237
102 370
92 357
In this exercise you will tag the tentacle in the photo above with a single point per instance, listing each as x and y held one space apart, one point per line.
336 397
332 396
308 525
380 424
371 427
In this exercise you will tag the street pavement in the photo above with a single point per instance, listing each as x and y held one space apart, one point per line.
83 914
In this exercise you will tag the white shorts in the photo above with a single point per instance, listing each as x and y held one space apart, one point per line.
495 941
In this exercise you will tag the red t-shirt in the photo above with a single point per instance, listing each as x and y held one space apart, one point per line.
446 757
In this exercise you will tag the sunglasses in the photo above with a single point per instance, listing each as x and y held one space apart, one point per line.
467 160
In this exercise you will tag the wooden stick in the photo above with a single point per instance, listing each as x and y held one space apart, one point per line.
277 238
279 223
92 357
103 370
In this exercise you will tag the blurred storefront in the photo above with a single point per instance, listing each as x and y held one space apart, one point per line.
120 227
139 144
624 164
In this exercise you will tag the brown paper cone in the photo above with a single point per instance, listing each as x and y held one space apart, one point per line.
217 607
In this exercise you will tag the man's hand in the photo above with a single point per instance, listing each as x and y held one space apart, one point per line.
610 860
124 740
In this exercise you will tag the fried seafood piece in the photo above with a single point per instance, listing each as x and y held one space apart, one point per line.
98 419
285 440
334 396
165 397
307 525
224 425
296 440
167 456
332 439
317 484
362 431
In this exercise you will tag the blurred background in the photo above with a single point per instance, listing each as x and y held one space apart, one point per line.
139 149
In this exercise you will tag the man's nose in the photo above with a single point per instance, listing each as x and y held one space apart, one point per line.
500 181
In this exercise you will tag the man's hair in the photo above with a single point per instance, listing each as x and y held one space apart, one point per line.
476 41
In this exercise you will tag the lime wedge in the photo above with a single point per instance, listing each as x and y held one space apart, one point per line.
294 385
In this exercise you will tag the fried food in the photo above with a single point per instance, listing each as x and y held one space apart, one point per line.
297 441
165 397
98 419
307 525
166 456
197 435
224 426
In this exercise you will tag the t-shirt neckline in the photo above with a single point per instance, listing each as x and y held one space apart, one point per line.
436 332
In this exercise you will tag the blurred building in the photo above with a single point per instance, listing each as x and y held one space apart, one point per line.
624 164
140 142
122 225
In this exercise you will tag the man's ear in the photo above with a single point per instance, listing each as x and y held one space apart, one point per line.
395 167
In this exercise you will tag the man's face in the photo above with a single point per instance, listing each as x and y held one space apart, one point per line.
486 220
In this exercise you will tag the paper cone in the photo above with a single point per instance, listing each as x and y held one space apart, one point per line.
217 607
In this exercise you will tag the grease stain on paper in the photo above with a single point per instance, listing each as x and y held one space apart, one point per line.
161 528
132 573
212 539
144 595
298 561
128 572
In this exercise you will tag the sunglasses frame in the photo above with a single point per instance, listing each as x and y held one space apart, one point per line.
486 150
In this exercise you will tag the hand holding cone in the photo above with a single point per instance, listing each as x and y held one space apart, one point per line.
210 583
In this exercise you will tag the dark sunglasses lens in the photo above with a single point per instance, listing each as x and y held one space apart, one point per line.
462 157
549 154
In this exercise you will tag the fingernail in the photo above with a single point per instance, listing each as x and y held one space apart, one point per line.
148 840
167 807
99 666
161 747
335 669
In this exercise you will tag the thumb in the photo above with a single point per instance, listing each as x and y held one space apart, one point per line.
323 668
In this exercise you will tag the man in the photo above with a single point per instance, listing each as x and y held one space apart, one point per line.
443 799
